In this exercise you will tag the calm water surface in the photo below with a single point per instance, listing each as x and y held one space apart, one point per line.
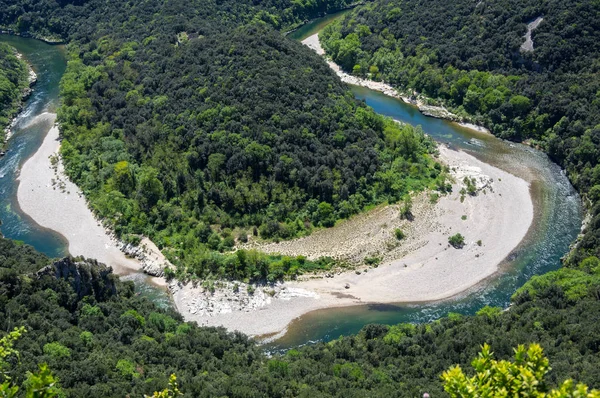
49 62
557 221
558 212
558 217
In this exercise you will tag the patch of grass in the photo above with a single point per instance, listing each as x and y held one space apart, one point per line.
399 234
372 260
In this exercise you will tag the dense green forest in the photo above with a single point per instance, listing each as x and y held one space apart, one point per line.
57 20
467 55
13 81
198 127
100 339
199 131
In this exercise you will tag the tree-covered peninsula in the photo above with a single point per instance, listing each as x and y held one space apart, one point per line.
469 56
188 120
199 131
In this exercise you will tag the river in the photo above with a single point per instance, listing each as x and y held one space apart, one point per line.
558 212
49 62
557 221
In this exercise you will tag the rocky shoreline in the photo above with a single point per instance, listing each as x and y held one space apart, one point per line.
47 195
493 219
413 98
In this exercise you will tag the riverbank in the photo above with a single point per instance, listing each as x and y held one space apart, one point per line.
31 80
54 202
439 112
26 35
422 267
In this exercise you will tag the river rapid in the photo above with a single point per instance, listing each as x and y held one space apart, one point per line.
558 211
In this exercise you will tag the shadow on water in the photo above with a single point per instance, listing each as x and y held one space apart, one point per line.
558 212
315 26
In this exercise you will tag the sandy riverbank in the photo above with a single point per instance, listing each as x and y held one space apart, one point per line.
54 202
440 112
420 268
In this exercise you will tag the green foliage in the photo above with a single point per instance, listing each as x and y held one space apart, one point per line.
457 241
522 378
490 312
399 234
372 260
126 368
57 350
467 57
171 392
574 283
39 385
237 127
13 82
396 333
121 344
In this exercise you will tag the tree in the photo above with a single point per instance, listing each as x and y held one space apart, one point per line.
150 189
522 378
39 385
406 210
124 180
457 241
171 392
399 234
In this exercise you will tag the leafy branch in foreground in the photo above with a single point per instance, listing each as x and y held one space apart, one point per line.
39 385
171 392
522 378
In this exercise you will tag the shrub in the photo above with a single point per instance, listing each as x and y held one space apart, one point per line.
399 234
457 241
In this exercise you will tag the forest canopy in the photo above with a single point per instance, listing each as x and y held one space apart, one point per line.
467 55
13 82
99 338
199 131
175 130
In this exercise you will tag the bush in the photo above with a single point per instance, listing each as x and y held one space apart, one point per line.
457 241
399 234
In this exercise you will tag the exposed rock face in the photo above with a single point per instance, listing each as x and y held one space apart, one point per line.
87 278
527 46
152 260
437 112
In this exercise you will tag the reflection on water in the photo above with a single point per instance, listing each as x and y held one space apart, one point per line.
557 206
315 26
145 288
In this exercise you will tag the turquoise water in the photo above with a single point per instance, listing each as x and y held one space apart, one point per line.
315 25
558 217
557 221
558 212
49 62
